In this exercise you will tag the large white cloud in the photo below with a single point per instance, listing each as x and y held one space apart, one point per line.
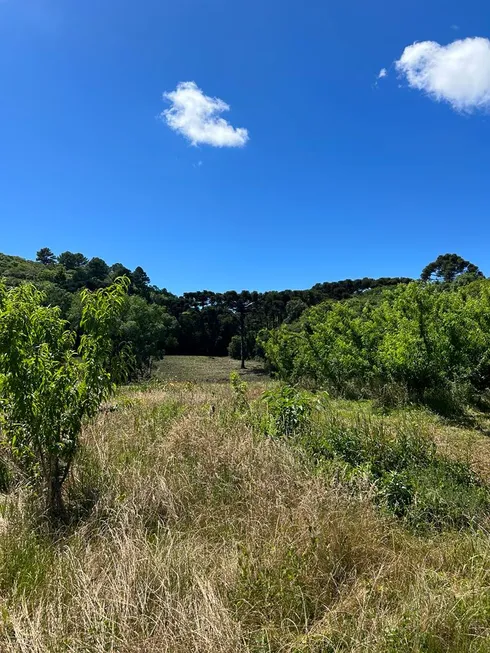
458 73
197 117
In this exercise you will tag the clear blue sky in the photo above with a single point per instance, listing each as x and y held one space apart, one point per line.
342 175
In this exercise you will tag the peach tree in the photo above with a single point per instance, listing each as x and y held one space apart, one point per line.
52 380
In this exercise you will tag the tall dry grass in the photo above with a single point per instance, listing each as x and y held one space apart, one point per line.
192 533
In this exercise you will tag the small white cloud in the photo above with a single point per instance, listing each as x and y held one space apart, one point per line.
458 73
382 73
455 28
196 116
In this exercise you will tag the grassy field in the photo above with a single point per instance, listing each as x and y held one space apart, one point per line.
194 531
202 369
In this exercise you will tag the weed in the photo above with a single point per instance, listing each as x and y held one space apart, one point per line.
239 393
412 478
288 410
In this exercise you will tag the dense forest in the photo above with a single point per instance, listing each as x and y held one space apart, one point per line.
156 321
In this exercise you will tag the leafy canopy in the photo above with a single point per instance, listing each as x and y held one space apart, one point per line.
48 383
424 339
447 267
45 256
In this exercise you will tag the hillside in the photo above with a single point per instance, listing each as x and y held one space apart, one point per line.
15 267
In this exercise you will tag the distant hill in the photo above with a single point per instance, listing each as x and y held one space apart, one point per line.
17 268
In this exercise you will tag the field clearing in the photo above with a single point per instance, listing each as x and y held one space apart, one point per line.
193 532
201 369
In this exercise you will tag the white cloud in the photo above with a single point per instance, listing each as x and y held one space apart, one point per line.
196 116
382 73
455 28
458 73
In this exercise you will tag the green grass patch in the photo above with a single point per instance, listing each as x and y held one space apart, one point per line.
410 476
412 479
201 369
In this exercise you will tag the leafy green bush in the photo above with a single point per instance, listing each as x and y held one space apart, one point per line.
234 348
410 477
149 330
49 384
420 343
288 410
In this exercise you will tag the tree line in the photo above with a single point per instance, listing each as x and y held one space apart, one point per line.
156 321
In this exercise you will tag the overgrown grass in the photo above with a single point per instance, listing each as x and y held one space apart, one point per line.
194 532
412 479
398 457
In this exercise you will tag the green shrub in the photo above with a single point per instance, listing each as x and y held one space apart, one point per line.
411 479
417 343
288 410
49 383
239 392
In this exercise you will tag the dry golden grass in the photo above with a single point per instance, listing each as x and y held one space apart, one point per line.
197 535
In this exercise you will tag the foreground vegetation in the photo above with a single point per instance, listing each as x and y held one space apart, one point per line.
52 381
214 518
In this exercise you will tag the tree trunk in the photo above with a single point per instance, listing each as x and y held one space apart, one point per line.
54 497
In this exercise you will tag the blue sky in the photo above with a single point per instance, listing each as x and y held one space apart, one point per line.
339 175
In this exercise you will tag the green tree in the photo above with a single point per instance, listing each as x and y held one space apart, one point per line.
119 270
294 309
149 331
240 304
55 295
97 270
72 261
48 385
431 342
140 278
45 256
140 281
447 267
235 346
